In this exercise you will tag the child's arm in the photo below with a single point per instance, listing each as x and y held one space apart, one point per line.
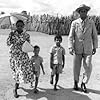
42 68
51 61
63 59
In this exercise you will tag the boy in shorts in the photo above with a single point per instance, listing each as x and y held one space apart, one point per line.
36 61
57 60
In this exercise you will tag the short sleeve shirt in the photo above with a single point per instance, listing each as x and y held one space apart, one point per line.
57 52
36 61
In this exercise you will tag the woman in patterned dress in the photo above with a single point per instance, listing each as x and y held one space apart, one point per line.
19 60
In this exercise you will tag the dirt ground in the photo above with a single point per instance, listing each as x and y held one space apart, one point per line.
65 84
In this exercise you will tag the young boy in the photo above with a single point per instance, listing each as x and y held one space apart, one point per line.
36 61
57 60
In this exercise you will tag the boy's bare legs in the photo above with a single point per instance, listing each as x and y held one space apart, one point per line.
56 81
36 84
32 81
51 80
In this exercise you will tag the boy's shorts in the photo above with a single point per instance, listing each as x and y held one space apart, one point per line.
36 73
57 69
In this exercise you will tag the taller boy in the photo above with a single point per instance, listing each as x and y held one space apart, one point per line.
57 59
82 42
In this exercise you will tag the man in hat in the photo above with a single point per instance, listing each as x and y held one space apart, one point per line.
82 44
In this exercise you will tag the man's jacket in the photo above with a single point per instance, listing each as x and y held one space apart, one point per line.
83 39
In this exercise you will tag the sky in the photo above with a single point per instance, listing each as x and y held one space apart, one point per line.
62 7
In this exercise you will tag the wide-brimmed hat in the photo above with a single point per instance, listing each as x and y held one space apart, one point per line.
83 6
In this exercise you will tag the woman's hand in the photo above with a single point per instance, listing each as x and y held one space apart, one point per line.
12 33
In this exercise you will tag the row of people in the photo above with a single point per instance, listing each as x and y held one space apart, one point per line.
49 24
52 24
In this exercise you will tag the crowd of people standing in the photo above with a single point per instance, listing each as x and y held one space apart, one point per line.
49 24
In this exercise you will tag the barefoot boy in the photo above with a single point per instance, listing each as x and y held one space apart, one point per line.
57 60
36 63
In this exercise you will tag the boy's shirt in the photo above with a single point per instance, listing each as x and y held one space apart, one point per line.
36 62
57 54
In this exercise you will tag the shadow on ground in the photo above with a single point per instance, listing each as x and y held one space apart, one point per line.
61 94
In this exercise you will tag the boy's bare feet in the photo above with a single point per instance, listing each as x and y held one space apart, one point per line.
51 82
55 88
36 90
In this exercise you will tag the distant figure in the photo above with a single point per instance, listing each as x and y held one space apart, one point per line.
36 61
19 60
82 42
57 60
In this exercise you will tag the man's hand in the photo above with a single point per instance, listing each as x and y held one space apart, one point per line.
71 51
94 51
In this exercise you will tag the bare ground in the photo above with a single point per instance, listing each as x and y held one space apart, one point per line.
65 84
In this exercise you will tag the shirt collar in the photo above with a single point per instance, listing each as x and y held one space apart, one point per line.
84 20
56 46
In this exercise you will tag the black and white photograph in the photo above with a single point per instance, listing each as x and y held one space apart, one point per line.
49 50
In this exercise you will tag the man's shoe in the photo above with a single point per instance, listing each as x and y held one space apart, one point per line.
76 86
83 87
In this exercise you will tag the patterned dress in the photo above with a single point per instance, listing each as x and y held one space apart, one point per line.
19 60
